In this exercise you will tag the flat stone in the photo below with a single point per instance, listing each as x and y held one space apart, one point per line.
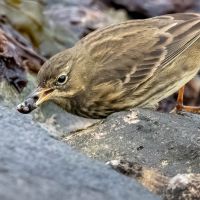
168 142
35 166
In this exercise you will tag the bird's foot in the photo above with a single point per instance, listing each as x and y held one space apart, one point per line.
191 109
180 107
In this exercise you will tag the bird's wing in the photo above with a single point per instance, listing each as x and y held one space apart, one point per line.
132 51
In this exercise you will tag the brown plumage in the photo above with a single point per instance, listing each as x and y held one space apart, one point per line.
179 187
135 63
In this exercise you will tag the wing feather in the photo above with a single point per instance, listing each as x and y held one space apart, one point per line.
132 51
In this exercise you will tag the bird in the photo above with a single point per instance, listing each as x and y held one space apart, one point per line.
179 187
135 63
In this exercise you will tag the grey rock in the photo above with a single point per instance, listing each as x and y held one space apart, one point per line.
168 142
149 8
74 20
35 166
58 122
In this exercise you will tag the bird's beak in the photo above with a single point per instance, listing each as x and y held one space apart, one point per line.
36 98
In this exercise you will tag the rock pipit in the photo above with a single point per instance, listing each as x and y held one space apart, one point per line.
136 63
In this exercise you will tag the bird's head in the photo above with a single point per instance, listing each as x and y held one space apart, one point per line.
53 82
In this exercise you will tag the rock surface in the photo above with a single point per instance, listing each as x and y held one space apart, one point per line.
35 166
149 8
168 142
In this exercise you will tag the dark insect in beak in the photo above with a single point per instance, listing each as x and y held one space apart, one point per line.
34 100
28 105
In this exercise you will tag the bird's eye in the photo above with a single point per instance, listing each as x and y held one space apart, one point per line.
61 79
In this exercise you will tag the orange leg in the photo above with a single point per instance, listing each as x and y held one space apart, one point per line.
181 107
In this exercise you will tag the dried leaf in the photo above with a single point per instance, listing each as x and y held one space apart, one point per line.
28 18
16 56
25 16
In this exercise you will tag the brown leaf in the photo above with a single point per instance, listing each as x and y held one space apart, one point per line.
16 57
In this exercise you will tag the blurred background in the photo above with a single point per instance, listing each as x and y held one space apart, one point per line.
31 31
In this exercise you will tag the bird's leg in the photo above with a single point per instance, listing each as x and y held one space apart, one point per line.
181 107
